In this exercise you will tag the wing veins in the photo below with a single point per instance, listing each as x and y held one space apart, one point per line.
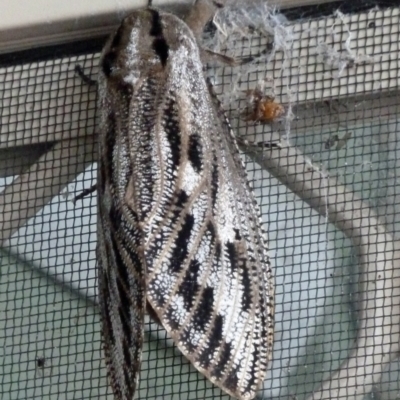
189 258
172 236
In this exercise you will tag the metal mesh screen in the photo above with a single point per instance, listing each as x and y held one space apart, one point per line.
329 198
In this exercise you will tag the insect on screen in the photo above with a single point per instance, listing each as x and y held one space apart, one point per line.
314 102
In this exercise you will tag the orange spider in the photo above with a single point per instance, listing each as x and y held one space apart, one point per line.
262 108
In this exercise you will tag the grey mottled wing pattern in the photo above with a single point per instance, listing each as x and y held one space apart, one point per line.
256 238
121 264
121 302
208 273
178 222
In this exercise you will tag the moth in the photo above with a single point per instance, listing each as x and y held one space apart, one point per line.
178 225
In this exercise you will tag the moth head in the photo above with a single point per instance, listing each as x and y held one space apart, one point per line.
146 42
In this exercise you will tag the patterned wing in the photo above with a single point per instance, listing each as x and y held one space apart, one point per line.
121 264
121 300
177 218
255 237
208 274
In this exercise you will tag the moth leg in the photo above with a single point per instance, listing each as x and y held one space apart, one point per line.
87 79
200 14
90 82
244 143
85 193
208 56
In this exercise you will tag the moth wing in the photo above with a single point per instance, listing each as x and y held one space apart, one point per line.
209 277
121 266
254 234
175 205
121 300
